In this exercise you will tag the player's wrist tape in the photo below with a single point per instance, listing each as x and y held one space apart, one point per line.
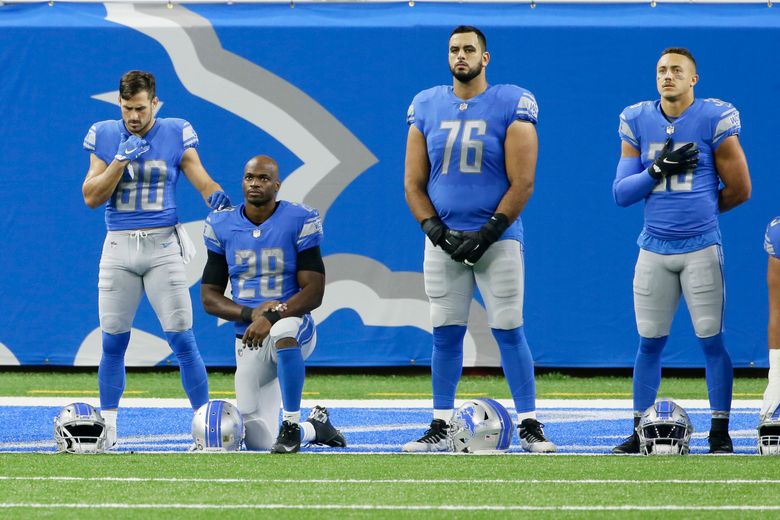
246 314
272 316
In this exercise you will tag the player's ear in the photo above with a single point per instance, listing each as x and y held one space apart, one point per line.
485 58
694 79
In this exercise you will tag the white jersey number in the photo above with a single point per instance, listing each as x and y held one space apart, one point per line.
467 143
680 182
152 188
271 271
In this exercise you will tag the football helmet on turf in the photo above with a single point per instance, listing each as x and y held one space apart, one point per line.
79 428
769 431
480 425
664 429
217 426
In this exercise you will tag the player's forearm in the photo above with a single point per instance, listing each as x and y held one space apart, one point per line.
419 203
632 182
211 187
304 301
515 199
217 304
731 197
98 189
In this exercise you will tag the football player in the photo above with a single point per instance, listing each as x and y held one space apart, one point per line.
134 164
470 162
676 152
270 252
772 247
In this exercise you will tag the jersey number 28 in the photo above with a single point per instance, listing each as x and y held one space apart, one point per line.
271 273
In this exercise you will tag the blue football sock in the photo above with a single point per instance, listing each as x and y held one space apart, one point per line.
719 372
518 365
194 378
647 372
446 364
291 372
111 371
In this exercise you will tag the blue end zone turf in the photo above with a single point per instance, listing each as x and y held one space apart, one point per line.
368 430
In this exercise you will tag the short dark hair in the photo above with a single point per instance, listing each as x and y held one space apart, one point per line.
136 81
471 29
681 51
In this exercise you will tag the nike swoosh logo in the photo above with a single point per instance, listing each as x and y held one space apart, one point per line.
666 161
131 151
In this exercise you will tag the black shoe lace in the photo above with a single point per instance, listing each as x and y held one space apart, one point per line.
435 433
533 432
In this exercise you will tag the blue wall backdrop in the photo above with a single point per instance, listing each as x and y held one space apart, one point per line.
324 89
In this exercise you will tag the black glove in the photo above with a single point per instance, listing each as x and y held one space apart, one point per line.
670 162
441 235
452 241
475 243
435 229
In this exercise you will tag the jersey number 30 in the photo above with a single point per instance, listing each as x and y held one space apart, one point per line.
680 182
467 143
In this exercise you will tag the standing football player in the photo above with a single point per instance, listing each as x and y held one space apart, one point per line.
134 164
772 392
270 252
676 153
470 161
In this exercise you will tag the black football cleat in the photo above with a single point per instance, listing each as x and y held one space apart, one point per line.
325 433
720 442
630 446
289 439
532 437
434 439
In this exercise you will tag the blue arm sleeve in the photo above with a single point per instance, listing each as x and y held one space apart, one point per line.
632 182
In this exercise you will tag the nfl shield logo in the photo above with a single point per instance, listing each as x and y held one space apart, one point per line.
463 106
256 233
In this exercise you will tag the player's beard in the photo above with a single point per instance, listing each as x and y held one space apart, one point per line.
467 75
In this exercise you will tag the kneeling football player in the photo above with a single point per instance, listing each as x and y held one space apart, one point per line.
269 250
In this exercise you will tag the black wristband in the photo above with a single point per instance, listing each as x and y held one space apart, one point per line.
272 316
246 314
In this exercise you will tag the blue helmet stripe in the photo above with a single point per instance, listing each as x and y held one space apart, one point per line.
208 436
220 407
506 424
81 409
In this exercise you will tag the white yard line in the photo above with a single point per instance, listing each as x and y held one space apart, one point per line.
390 481
371 507
542 404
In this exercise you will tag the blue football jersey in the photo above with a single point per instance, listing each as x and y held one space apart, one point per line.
772 238
262 260
465 141
147 200
683 206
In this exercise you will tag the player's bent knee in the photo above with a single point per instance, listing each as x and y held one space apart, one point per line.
648 329
286 343
257 434
706 327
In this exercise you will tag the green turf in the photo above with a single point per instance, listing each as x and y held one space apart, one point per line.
367 386
258 471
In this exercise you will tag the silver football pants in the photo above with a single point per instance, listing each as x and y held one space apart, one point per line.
660 279
134 262
499 274
257 387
